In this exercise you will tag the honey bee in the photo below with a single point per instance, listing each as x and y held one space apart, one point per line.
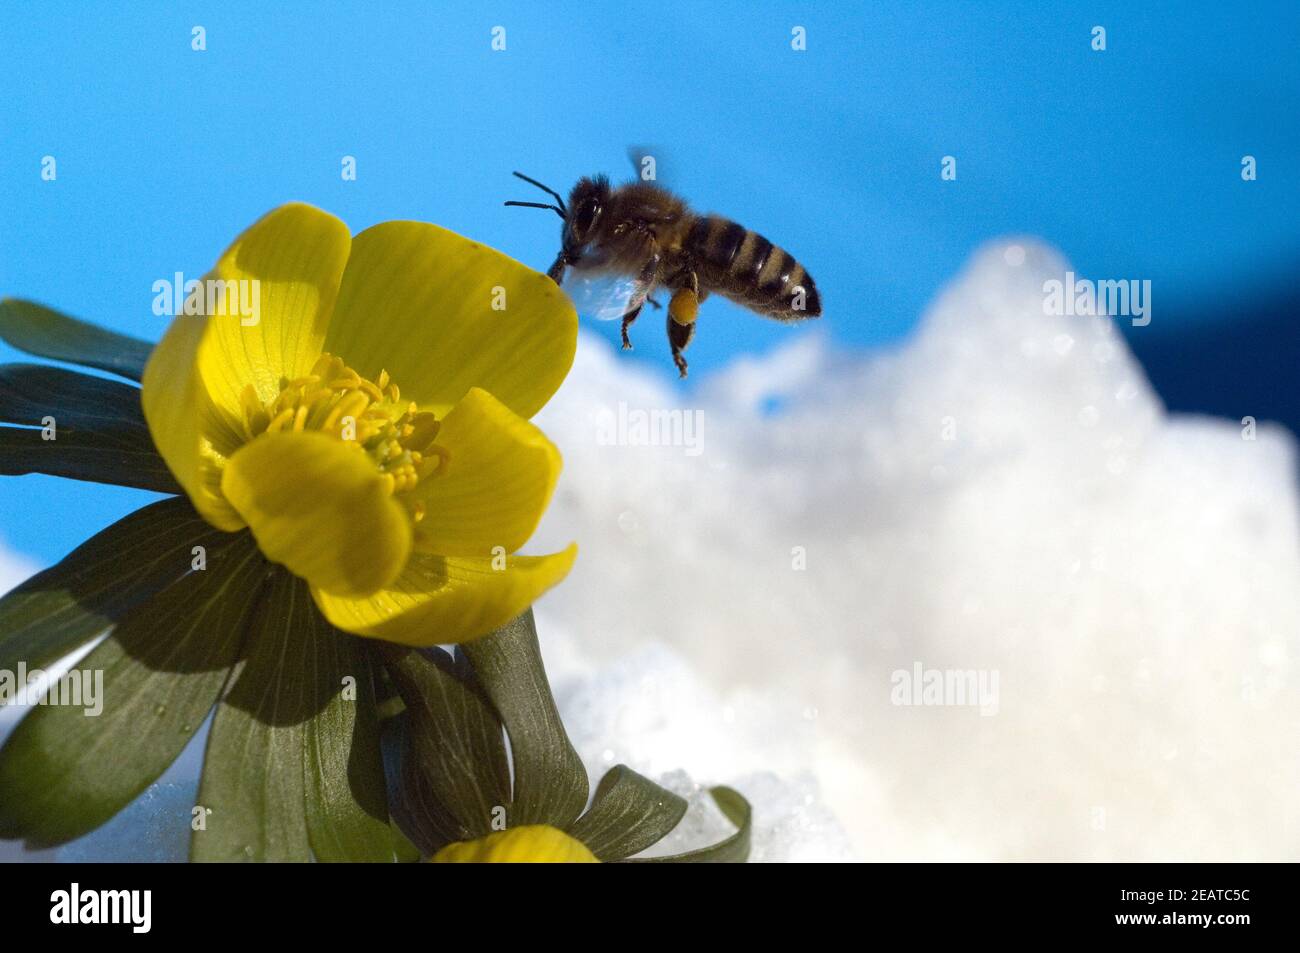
643 232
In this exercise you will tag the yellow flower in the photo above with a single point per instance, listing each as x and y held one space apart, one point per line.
532 844
367 422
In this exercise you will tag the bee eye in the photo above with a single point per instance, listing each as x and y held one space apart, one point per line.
584 217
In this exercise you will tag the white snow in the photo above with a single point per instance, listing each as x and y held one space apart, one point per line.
14 568
650 711
1133 579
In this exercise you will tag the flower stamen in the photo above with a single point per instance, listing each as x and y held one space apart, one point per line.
334 399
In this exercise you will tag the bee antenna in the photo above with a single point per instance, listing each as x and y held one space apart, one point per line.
550 191
540 205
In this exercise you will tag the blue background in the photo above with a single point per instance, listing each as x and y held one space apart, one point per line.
1128 159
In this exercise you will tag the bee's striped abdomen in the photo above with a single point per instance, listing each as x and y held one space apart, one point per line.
749 269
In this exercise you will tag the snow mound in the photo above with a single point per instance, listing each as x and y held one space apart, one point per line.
651 712
1004 496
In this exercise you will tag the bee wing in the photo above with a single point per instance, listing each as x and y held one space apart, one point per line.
604 296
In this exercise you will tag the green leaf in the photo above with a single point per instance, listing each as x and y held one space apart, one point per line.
733 850
419 817
64 772
347 804
99 431
405 851
453 764
261 767
628 814
253 788
100 582
45 332
550 781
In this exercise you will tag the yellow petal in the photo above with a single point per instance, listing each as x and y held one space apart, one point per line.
530 844
418 301
439 600
494 485
320 507
296 254
182 418
195 375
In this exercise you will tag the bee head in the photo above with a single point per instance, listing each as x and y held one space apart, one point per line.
587 202
582 217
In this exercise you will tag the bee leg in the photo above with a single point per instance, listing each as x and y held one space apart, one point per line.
682 311
627 323
647 277
556 272
653 303
684 306
679 336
